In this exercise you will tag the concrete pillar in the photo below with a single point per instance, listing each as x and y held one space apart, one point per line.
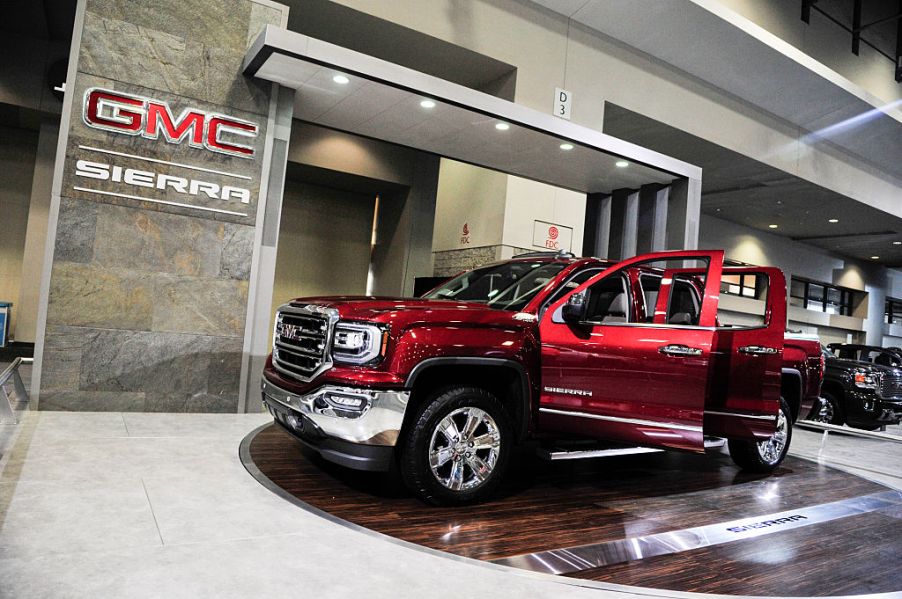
652 227
624 224
257 329
878 283
683 214
596 239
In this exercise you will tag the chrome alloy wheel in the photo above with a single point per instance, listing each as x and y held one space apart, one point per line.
464 449
771 449
826 411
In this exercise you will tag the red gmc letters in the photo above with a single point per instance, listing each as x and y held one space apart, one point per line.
134 115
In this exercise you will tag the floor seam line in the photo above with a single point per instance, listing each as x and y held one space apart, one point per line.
152 513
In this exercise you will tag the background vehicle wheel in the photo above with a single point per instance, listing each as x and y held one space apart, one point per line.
765 456
457 448
830 410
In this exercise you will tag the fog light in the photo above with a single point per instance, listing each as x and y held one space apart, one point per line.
347 402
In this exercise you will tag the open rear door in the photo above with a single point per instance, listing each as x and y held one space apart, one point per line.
744 397
635 367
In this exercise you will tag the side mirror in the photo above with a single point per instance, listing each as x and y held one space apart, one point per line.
574 311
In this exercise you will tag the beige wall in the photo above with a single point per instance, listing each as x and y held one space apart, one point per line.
17 157
324 243
407 181
528 201
472 196
499 210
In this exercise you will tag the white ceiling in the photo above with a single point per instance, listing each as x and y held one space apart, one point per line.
382 100
715 45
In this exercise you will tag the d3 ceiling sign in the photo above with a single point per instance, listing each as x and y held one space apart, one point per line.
136 115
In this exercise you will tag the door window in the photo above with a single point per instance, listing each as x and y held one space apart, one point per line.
572 283
608 301
667 292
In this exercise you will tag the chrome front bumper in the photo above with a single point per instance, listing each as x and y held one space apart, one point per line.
351 414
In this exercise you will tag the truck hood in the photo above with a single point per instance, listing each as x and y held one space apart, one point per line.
409 311
845 364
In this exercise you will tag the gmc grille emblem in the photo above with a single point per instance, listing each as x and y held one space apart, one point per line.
135 115
290 332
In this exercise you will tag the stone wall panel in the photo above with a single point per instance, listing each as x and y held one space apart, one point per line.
205 306
155 59
76 229
148 298
88 296
145 361
159 242
81 401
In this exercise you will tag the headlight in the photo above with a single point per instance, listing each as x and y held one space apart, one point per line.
866 380
358 343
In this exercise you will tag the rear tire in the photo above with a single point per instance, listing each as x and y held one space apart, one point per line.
457 447
765 456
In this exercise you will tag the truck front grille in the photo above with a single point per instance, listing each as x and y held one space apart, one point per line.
301 343
891 386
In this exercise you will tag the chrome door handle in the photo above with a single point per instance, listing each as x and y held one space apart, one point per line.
680 350
757 350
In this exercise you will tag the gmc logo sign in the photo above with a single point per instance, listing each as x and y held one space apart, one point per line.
134 115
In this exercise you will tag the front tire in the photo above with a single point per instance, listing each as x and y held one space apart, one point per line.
457 448
829 411
765 456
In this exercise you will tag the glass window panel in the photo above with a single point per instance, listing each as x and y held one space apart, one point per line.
752 315
797 288
815 292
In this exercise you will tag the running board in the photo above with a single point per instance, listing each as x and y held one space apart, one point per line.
581 454
558 454
714 442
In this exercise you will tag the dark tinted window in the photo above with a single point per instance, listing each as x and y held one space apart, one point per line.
684 306
508 286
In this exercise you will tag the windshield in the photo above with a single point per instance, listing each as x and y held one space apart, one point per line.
507 286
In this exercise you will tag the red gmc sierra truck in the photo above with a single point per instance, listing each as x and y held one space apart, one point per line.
543 347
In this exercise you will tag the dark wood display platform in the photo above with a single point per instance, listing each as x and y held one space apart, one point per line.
550 506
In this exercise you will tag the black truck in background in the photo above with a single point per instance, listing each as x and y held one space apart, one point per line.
862 386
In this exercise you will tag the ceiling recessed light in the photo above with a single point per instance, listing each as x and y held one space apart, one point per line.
833 220
566 146
875 257
772 226
341 79
427 104
621 164
502 126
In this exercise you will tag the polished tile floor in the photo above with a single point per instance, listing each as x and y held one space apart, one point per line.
158 505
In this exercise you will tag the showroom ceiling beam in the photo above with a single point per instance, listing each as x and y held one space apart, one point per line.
384 100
